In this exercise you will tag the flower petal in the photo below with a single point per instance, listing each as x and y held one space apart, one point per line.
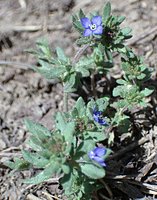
91 154
101 121
98 31
102 164
99 151
97 113
87 32
96 118
97 20
85 22
99 160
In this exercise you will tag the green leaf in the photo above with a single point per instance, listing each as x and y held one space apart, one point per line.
35 143
124 126
90 106
84 65
69 85
50 71
66 168
119 118
35 159
108 55
77 24
83 40
47 173
146 92
80 106
69 131
119 104
67 183
43 46
141 76
87 145
121 82
81 14
92 171
61 55
60 121
117 91
37 129
97 136
18 164
102 103
106 12
126 31
120 19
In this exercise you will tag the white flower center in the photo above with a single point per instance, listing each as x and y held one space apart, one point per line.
93 27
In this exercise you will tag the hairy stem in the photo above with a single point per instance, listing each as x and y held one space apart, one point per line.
65 101
79 53
93 86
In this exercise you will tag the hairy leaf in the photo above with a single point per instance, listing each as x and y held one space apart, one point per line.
61 55
106 12
37 129
35 159
92 171
47 173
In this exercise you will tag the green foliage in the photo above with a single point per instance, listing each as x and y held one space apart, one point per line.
84 66
135 69
92 171
18 164
37 130
106 12
66 149
52 168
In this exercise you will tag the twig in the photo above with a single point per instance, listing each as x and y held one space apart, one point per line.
104 197
11 148
33 28
107 188
4 154
32 197
114 176
129 148
19 65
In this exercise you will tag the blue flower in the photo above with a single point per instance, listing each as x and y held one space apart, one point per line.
97 154
97 115
93 26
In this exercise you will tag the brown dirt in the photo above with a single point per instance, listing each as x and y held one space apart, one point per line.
24 93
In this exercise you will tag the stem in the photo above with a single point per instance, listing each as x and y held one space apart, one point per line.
75 59
79 53
65 101
93 87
